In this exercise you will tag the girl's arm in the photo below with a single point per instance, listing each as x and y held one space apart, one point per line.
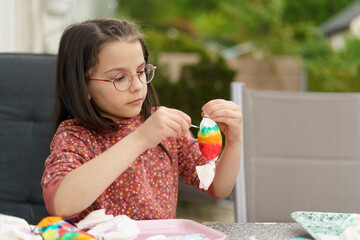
83 185
228 117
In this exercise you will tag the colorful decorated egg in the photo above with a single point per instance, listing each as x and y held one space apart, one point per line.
56 228
209 138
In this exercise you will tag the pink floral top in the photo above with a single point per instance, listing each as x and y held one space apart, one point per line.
148 189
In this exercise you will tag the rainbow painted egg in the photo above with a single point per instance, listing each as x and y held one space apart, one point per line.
56 228
209 138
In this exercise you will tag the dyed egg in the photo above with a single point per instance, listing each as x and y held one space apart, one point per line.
209 138
56 228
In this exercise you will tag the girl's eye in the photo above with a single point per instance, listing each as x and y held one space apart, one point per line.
120 78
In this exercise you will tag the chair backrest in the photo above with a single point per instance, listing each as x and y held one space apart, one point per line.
26 127
302 153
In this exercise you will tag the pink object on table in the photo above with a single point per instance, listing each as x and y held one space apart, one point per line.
175 227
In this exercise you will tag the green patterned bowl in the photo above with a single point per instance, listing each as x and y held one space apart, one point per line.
321 225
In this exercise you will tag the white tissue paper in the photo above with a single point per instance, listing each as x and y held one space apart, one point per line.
93 218
206 174
351 233
351 228
108 227
14 228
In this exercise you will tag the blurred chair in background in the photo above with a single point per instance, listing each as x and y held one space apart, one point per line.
26 127
301 153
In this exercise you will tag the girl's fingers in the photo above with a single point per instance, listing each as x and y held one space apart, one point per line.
229 113
176 121
180 121
182 116
170 111
222 111
172 129
228 121
219 104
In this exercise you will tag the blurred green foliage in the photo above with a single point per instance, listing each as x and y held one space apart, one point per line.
198 84
337 71
312 11
274 27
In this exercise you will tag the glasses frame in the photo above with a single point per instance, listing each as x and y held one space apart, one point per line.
132 77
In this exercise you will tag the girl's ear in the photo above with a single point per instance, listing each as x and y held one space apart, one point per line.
89 96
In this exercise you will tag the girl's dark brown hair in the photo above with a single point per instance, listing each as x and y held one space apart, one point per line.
78 53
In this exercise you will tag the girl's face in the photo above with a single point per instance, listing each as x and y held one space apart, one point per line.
115 57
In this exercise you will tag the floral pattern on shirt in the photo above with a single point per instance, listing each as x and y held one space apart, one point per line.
147 189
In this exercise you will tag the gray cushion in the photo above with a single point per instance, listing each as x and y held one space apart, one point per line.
26 128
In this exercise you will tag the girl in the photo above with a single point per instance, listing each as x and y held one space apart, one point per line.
114 148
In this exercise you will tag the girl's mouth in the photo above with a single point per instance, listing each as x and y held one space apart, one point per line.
136 102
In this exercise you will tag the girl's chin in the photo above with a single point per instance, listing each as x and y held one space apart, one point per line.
130 113
126 116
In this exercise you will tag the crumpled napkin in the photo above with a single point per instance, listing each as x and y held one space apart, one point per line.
108 227
351 233
210 144
206 174
97 225
17 228
351 228
94 218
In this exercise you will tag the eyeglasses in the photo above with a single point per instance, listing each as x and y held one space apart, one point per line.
123 80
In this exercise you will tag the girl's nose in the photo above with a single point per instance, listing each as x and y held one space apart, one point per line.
136 84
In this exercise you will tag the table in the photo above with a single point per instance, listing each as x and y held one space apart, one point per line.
260 231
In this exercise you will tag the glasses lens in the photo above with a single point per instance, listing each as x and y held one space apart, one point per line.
122 81
147 73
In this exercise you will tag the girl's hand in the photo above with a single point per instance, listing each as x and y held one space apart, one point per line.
227 115
163 123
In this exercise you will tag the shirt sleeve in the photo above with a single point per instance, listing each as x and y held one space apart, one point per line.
68 150
189 156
